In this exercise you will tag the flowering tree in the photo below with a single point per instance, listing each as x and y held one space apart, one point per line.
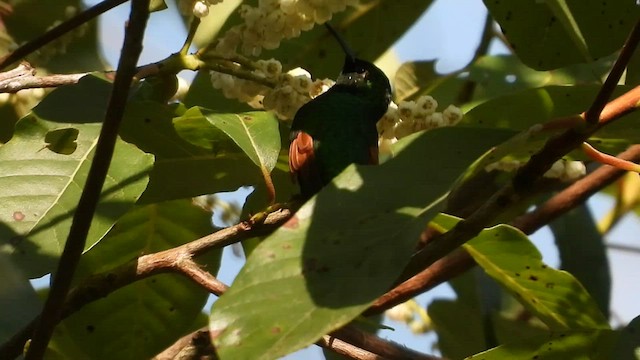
107 182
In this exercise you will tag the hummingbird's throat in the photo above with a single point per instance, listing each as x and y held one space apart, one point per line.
353 79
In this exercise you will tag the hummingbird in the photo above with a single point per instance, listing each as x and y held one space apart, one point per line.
338 128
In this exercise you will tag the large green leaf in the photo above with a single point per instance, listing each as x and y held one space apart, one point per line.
554 296
522 110
493 76
583 253
18 301
40 188
149 126
342 249
139 320
554 33
593 344
255 133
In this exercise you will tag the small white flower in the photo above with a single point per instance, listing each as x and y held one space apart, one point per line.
401 313
574 170
200 9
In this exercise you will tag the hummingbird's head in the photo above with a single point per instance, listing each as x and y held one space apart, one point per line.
364 77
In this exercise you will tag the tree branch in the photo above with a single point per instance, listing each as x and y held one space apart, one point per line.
370 342
58 31
23 77
348 341
177 259
593 114
521 184
81 222
460 261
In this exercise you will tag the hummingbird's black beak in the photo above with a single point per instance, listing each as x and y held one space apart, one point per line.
350 55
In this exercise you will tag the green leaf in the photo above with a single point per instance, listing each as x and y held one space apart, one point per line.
585 259
40 188
341 250
417 78
554 296
522 110
149 126
585 345
554 33
256 133
18 301
141 319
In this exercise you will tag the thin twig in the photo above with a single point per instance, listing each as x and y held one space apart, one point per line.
385 348
58 31
193 271
345 349
37 82
81 222
575 194
593 114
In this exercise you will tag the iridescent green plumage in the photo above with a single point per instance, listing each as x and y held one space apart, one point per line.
338 128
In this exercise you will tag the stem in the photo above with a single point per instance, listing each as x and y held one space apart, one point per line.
193 27
593 114
58 31
74 246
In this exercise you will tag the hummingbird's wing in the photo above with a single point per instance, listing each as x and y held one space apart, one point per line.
302 163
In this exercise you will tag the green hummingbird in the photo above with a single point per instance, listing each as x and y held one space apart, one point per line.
338 128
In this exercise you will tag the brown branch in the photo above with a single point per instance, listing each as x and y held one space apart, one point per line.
385 348
33 82
460 261
193 271
592 115
348 341
439 272
194 346
521 185
345 349
575 194
75 244
172 260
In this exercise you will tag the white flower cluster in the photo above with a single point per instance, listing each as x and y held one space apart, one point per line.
412 116
411 314
292 89
272 21
564 170
59 45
